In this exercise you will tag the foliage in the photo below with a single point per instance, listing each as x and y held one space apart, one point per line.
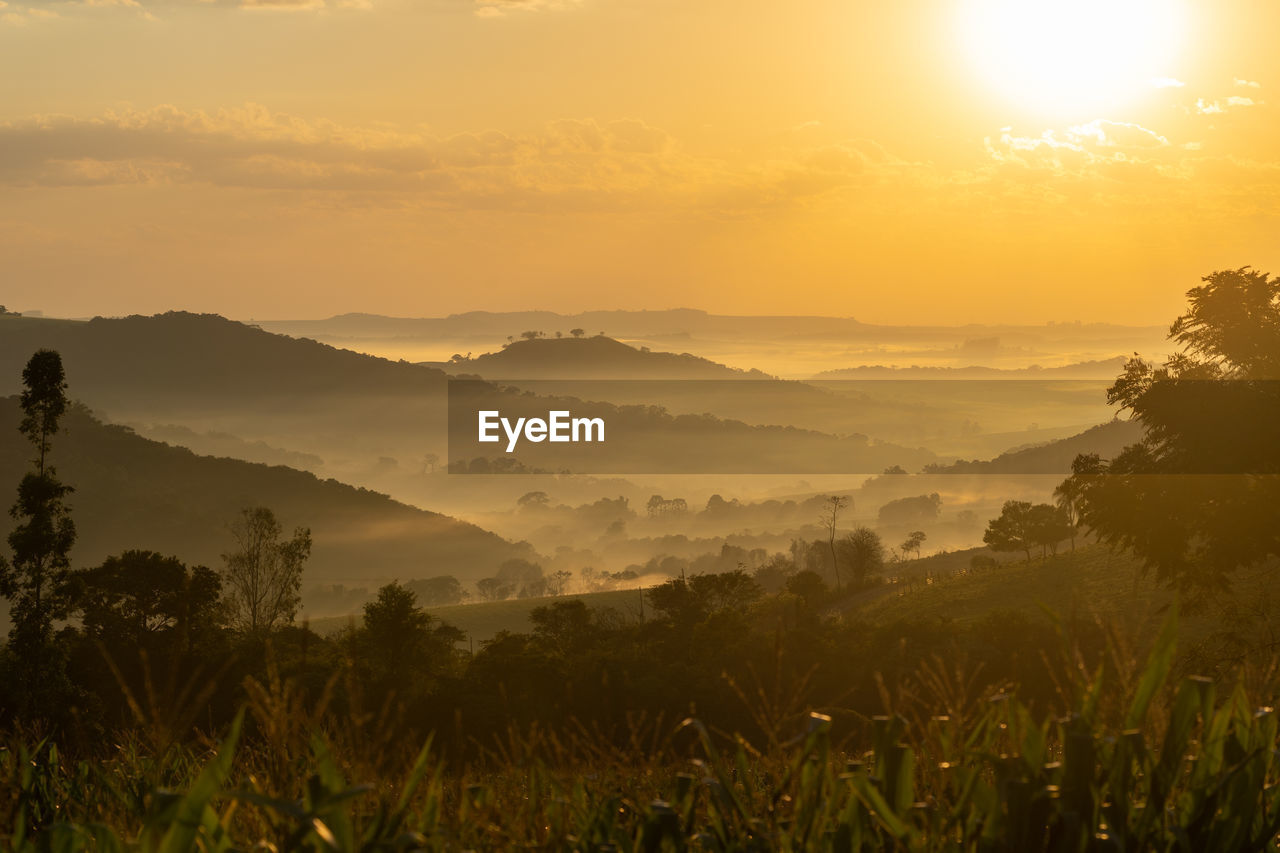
263 576
34 580
863 551
1196 498
986 775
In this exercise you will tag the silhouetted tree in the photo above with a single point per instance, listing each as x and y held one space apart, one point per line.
1012 530
577 333
263 576
533 500
494 589
912 510
1197 497
437 591
864 553
913 542
830 515
808 585
563 626
402 646
35 580
1049 526
141 599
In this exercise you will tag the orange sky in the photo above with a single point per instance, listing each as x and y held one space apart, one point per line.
898 162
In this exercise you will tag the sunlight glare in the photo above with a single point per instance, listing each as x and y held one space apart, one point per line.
1058 58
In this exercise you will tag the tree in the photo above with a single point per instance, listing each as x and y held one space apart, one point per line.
263 576
563 626
559 582
533 501
1049 525
404 646
830 514
531 335
913 510
864 553
1196 497
142 599
808 585
577 333
34 580
437 591
494 589
913 542
1012 530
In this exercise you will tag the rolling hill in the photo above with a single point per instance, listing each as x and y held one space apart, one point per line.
1054 457
597 357
131 492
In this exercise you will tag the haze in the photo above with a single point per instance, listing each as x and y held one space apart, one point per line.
300 158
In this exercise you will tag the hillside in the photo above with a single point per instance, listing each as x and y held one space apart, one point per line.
597 357
135 493
1054 457
209 374
364 415
1091 583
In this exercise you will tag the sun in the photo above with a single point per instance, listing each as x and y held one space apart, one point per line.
1064 57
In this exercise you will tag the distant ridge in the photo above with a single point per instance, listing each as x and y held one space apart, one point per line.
596 357
645 324
1107 368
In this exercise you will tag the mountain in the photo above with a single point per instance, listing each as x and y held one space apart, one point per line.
131 492
597 357
209 374
364 415
1054 457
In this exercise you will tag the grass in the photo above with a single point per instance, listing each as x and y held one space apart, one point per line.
483 620
1094 583
1123 770
1091 580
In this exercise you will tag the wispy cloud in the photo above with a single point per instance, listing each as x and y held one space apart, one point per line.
1223 105
581 163
499 8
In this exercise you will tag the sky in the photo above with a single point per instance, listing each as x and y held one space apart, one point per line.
950 161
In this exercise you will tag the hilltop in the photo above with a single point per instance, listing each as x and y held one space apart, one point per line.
598 357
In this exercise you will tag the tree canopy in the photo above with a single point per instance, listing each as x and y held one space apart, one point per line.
1196 498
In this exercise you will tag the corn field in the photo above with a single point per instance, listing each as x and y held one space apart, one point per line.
1187 766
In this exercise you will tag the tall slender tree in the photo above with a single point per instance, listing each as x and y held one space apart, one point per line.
34 581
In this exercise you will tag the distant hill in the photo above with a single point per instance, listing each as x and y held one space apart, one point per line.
1055 457
646 324
209 374
360 413
597 357
131 492
1107 368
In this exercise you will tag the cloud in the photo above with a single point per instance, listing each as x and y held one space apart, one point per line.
1167 83
500 8
1216 107
1247 83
